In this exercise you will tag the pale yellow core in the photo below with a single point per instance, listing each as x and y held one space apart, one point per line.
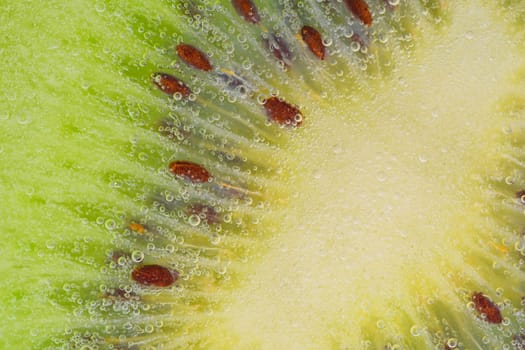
390 184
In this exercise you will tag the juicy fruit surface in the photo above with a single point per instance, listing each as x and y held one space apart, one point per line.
390 215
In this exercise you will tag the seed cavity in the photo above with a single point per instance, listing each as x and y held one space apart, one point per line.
137 228
519 341
190 171
193 57
206 213
360 9
175 133
280 49
282 112
313 39
121 294
154 275
247 10
487 308
170 85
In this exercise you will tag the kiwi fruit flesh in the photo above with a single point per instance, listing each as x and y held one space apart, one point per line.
243 174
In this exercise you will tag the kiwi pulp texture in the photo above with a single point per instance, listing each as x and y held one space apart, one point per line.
388 218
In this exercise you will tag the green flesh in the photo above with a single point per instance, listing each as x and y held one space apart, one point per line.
370 226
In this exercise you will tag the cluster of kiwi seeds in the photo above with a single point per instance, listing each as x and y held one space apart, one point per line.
147 167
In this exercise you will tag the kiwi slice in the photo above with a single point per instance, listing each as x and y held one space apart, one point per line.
247 174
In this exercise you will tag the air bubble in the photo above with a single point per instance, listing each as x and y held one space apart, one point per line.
215 239
415 331
50 244
327 42
355 46
121 261
381 176
194 220
452 343
110 224
247 65
100 7
143 156
24 120
137 256
393 2
509 180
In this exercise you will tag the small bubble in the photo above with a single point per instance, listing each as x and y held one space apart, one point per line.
327 42
121 261
337 149
143 156
415 331
380 324
50 244
393 2
469 35
137 256
194 220
452 343
24 120
110 224
355 46
100 7
215 239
